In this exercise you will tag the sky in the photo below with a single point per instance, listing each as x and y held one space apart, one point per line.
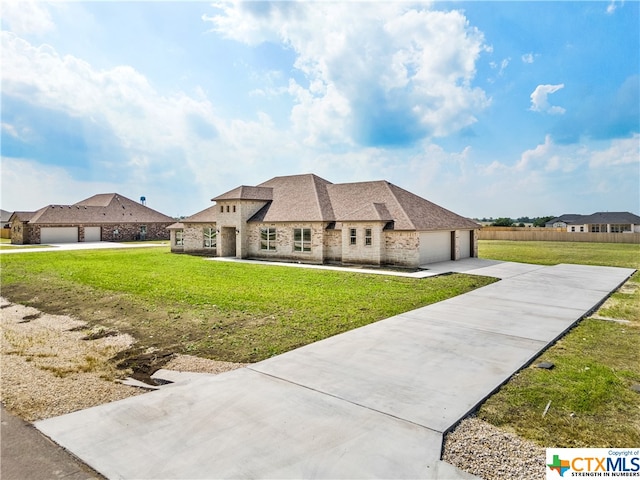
489 109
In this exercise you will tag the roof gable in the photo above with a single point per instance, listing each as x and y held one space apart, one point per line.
245 192
22 216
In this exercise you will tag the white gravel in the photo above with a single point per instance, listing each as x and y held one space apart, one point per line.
480 448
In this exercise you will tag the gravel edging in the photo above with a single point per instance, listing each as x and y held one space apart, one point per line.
481 449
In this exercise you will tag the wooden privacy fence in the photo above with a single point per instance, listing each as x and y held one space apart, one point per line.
554 235
6 233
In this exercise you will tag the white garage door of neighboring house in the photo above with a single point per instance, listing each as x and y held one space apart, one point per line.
92 234
435 247
465 243
59 235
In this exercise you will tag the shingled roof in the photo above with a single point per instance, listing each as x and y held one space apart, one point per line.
309 198
103 208
597 218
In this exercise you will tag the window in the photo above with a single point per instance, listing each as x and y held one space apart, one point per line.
582 228
367 237
352 236
227 208
301 239
210 240
573 229
221 209
234 209
179 238
619 228
598 228
268 238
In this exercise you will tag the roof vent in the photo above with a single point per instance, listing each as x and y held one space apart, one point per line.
143 200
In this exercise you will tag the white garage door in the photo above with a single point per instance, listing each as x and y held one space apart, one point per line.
465 243
435 247
59 235
92 234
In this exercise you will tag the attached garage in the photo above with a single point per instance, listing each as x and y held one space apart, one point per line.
435 247
92 234
59 235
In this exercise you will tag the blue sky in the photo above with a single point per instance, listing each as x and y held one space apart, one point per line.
486 108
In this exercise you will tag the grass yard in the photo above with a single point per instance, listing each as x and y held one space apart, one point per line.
596 363
225 311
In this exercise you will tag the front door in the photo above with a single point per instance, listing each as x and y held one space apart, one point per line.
227 242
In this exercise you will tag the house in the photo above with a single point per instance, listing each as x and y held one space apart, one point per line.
104 217
599 222
305 218
4 218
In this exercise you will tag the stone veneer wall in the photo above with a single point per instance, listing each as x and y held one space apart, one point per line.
360 253
402 248
284 242
172 241
333 245
126 232
19 233
130 231
194 239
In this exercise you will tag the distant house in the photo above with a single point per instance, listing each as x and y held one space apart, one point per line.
599 222
103 217
305 218
4 218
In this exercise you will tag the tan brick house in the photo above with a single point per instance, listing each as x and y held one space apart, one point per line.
307 219
106 217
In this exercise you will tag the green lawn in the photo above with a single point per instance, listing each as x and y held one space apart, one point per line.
226 311
553 253
596 363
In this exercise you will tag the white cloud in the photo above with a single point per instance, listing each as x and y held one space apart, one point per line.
528 58
613 6
372 71
26 17
623 151
46 185
540 102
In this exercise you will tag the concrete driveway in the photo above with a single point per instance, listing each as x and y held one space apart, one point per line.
57 247
374 402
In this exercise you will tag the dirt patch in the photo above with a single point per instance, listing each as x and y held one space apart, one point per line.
142 364
49 370
28 318
46 369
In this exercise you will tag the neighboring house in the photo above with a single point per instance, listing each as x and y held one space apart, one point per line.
4 218
305 218
599 222
103 217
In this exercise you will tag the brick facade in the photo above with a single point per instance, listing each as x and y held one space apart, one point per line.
23 233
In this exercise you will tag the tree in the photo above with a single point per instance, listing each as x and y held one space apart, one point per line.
502 222
540 221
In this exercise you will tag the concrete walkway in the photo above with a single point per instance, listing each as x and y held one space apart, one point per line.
370 403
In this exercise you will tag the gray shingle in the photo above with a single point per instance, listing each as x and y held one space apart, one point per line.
104 208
